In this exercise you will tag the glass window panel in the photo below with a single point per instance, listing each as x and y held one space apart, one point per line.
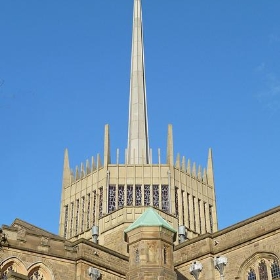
165 198
275 270
88 210
65 221
155 196
138 195
112 199
251 275
94 207
263 270
77 216
101 202
121 197
147 193
176 203
129 198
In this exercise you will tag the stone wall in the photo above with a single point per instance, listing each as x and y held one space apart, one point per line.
244 244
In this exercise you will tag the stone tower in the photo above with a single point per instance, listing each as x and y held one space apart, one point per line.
150 240
112 196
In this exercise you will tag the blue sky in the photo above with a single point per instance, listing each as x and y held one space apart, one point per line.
212 70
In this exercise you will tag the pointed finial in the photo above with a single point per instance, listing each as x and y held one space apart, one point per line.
77 173
87 167
138 140
170 156
184 163
99 163
189 167
66 177
210 169
194 170
93 165
72 175
82 171
107 155
177 164
204 177
199 175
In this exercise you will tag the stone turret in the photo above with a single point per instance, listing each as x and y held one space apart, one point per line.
150 243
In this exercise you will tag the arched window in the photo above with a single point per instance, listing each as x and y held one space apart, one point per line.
275 270
251 274
6 270
39 271
36 275
263 270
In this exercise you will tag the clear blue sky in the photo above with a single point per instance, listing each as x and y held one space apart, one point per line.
212 70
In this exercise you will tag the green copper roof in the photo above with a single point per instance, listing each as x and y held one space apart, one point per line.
150 218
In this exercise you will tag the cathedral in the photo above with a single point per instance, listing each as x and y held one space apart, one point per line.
140 219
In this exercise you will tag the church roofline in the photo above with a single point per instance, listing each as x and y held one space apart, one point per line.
150 218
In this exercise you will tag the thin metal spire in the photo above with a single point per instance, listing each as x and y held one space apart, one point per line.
138 140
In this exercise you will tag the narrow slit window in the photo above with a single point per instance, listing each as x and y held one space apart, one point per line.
94 207
77 216
176 203
101 202
88 210
66 221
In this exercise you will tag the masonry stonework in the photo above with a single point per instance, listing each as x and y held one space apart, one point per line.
139 219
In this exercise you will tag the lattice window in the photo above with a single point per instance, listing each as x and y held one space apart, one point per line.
65 221
263 270
77 216
155 196
71 218
120 197
147 195
211 218
251 275
204 210
165 198
36 275
194 214
94 208
100 202
83 213
183 206
275 270
137 256
6 271
112 199
138 195
188 205
88 210
199 216
176 202
129 195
